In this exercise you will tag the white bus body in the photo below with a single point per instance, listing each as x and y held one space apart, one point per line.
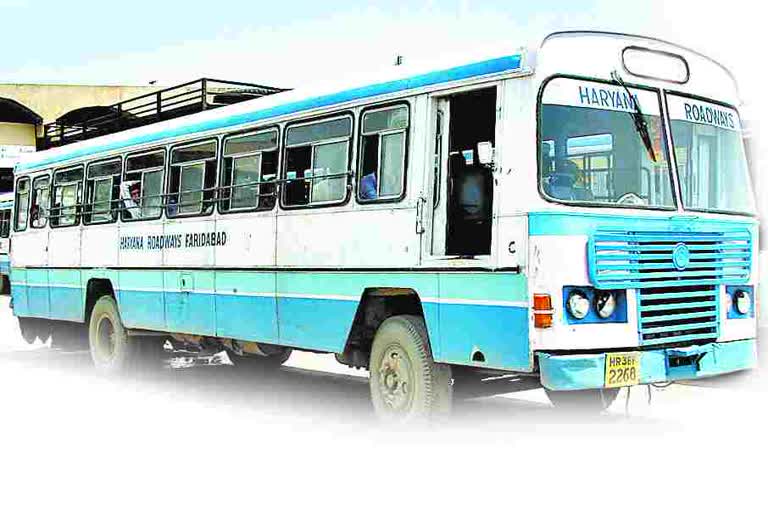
493 290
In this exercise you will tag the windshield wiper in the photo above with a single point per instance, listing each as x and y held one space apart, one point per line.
637 116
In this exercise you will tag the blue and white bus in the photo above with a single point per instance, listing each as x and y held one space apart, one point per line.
578 215
6 205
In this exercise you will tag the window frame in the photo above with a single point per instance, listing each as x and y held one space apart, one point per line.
79 200
167 182
277 181
163 191
15 216
113 212
5 212
33 194
666 146
283 179
752 182
406 152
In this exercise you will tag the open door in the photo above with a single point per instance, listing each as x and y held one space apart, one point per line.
461 184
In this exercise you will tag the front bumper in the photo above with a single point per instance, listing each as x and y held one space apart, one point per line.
587 371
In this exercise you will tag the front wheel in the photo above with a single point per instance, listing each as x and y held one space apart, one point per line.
587 400
406 383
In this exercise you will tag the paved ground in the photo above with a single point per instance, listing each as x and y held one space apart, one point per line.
311 422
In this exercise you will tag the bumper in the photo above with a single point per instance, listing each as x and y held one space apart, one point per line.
574 372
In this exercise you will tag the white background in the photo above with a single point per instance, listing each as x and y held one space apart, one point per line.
207 438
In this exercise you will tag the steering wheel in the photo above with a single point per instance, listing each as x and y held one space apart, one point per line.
631 199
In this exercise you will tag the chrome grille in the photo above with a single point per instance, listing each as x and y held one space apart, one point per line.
622 259
678 314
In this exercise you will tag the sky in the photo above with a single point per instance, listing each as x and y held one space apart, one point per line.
289 43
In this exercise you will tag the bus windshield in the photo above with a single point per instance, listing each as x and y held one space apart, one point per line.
593 153
710 155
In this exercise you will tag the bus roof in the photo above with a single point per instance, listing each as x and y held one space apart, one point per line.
391 82
395 81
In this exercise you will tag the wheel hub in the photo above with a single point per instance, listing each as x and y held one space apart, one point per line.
107 338
395 378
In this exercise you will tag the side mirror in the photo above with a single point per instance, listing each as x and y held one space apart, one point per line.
485 154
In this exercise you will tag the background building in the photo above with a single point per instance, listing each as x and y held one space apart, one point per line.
26 108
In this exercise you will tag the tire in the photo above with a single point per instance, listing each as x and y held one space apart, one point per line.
407 386
588 400
260 363
5 285
33 329
113 352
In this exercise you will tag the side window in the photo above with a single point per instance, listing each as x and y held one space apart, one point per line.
21 205
383 138
250 169
67 191
141 192
317 163
192 181
41 199
5 223
102 189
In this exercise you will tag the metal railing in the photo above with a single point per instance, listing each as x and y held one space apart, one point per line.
178 101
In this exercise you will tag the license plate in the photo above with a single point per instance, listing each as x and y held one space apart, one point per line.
622 370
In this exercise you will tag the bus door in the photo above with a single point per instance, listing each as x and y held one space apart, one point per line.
32 244
459 210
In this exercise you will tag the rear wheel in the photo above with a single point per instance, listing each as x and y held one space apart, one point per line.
112 350
406 384
587 400
34 329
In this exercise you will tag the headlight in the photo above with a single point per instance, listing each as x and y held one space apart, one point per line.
578 305
743 302
605 304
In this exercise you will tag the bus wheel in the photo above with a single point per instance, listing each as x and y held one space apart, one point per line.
406 384
275 358
112 350
587 400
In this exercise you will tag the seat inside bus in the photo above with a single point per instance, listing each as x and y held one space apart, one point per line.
470 183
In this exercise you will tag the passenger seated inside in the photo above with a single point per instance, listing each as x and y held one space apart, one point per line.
563 183
368 187
130 194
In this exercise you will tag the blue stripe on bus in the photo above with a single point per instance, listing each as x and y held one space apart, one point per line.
456 330
489 67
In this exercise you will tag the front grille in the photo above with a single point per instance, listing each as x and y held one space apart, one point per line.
622 259
678 314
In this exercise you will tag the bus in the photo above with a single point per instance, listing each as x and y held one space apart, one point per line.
577 216
6 205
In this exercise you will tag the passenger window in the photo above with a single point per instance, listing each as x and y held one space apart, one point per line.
192 179
5 223
67 190
21 204
102 190
38 213
317 163
141 192
250 169
382 148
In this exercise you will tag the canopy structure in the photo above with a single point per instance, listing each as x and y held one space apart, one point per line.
11 111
